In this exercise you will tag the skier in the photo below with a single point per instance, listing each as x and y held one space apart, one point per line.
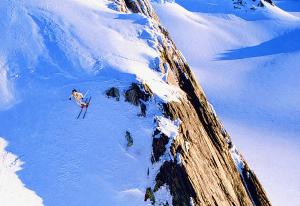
78 97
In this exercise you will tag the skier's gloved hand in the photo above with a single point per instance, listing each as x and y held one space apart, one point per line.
69 98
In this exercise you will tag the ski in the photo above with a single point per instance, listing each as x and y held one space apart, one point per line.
80 113
87 105
87 102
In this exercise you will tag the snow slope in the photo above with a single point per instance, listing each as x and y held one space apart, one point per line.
291 6
248 64
48 48
12 191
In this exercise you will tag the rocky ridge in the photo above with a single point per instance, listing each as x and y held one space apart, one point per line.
200 165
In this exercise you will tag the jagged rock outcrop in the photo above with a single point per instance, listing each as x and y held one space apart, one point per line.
207 172
250 4
269 1
113 92
136 93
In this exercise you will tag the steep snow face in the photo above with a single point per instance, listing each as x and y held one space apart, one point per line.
47 49
248 64
57 42
81 161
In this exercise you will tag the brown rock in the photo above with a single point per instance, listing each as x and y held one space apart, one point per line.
207 172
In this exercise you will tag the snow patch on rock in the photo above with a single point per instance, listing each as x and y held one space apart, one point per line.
168 127
237 159
163 195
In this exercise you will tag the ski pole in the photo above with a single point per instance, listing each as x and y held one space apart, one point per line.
86 93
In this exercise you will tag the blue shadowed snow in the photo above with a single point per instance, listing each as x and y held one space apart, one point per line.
286 43
288 5
211 6
79 162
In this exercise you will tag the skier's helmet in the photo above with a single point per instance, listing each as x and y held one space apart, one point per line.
74 90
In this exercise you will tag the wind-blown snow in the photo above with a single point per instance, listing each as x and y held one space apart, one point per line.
248 64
